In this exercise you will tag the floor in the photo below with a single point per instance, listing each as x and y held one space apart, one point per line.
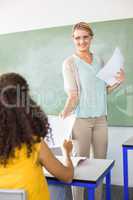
117 193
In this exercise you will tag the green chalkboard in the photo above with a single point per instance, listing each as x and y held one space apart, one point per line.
38 56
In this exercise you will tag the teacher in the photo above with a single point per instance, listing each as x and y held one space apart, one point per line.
87 98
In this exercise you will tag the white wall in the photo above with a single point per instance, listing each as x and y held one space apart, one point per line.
22 15
18 15
117 136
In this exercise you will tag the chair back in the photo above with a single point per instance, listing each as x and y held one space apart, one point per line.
7 194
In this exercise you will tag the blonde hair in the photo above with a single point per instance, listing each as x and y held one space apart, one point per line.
84 26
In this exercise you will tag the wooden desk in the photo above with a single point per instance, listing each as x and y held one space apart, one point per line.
89 174
128 145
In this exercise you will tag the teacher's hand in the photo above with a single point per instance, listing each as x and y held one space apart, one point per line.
63 114
120 77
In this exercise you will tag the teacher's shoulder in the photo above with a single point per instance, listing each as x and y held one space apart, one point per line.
68 62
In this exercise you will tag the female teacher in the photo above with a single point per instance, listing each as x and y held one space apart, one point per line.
87 97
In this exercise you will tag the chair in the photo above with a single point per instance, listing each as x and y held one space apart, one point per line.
8 194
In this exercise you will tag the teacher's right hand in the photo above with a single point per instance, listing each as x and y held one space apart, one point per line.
63 114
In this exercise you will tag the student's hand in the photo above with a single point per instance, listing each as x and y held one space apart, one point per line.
120 77
67 147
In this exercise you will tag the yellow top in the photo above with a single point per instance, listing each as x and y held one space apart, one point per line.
26 173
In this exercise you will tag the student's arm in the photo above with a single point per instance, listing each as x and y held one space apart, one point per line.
55 167
120 77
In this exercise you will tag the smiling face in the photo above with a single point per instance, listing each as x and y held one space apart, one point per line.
82 40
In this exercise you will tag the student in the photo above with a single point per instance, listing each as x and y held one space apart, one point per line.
87 97
23 151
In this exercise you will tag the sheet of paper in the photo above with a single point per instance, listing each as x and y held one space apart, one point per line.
61 129
75 160
114 64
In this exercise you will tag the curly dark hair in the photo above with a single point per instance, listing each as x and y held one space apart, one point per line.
21 120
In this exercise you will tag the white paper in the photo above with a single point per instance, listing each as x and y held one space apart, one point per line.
75 160
61 129
109 71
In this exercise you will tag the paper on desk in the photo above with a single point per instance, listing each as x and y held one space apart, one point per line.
109 71
75 160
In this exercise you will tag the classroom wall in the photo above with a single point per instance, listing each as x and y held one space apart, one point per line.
17 15
25 15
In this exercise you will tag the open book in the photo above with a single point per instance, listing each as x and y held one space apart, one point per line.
75 160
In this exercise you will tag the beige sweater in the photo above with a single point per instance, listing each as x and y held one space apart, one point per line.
70 75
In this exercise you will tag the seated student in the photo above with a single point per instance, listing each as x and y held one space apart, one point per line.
23 152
